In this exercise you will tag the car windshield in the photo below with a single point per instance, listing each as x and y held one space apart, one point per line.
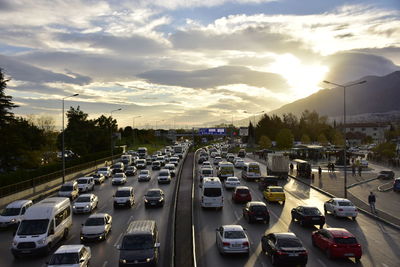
234 234
255 169
212 192
64 258
311 211
153 193
122 193
94 221
82 181
137 242
118 175
82 199
10 212
33 227
207 171
232 179
242 191
289 243
145 172
276 189
258 208
103 169
345 203
163 174
66 188
346 240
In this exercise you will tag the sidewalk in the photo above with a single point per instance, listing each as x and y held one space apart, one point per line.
388 203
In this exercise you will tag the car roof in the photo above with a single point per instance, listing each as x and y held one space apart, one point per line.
69 183
98 215
285 235
234 177
232 227
69 249
242 187
86 195
124 188
154 189
18 203
257 203
85 178
340 199
274 186
339 232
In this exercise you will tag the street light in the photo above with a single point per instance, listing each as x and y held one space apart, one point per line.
112 143
63 144
344 123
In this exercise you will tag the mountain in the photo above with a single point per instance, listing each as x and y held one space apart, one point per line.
378 95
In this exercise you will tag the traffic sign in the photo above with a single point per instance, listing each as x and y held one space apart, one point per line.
212 131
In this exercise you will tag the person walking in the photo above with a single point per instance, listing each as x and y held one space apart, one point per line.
319 171
353 169
291 167
333 167
371 201
359 170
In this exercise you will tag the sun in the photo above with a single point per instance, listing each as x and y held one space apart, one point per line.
303 79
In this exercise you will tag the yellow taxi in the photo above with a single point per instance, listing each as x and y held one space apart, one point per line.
274 194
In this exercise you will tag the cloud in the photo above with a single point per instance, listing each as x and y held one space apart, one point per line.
347 67
213 77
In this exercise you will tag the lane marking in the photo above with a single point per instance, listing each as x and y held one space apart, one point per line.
118 240
105 264
236 215
385 265
321 262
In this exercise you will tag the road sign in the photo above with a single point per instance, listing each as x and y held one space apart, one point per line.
212 131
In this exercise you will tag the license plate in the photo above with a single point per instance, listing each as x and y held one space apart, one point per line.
349 214
236 245
293 254
349 254
26 251
153 203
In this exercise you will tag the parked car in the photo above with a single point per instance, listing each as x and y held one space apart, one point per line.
231 182
144 175
241 194
119 179
284 249
124 196
99 178
232 239
274 194
130 171
386 175
85 184
71 255
341 207
337 243
306 215
96 227
154 198
255 211
85 203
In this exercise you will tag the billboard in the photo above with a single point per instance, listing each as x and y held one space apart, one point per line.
212 131
244 131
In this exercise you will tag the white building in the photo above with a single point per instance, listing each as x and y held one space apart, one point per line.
374 130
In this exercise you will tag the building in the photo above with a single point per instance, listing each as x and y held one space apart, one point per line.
374 130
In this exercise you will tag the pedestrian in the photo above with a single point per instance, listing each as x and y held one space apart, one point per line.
353 169
329 167
359 170
371 201
333 167
319 171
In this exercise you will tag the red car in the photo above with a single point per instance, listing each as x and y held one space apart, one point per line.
337 243
241 194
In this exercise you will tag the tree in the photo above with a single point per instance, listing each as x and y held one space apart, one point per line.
305 139
322 139
338 139
6 104
265 142
385 150
284 139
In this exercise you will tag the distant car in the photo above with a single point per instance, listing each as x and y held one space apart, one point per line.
337 243
206 164
242 153
386 175
232 239
99 178
141 164
144 175
256 211
106 171
364 163
156 165
69 189
217 160
274 194
241 194
284 249
171 168
164 176
71 255
306 215
130 171
239 163
174 160
85 203
96 227
231 182
396 185
341 207
118 167
124 196
154 198
119 179
85 184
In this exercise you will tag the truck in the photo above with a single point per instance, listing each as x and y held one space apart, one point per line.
142 151
278 165
178 151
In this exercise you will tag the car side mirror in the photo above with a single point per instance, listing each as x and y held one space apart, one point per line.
157 245
82 260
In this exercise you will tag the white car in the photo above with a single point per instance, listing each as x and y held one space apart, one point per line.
124 197
14 212
99 178
217 160
232 239
231 182
85 203
71 255
144 175
85 184
206 164
239 163
341 207
174 160
106 171
119 178
164 176
96 227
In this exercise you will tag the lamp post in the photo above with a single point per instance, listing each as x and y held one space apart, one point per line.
344 124
63 142
112 143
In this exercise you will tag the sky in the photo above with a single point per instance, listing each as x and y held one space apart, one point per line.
188 63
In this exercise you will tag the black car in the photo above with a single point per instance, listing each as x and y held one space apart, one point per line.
284 249
264 182
130 171
386 175
255 211
156 165
308 216
154 198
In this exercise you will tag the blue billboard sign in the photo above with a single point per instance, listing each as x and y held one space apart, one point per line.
212 131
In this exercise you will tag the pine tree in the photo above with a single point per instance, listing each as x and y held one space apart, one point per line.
5 102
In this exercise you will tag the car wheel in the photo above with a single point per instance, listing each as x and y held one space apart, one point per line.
321 226
354 218
325 211
334 214
328 254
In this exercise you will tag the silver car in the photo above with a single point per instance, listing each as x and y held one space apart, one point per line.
232 239
85 203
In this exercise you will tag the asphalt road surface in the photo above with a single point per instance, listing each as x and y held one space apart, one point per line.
105 253
380 243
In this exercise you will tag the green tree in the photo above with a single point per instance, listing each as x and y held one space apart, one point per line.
6 104
284 139
385 150
305 139
322 140
265 142
338 139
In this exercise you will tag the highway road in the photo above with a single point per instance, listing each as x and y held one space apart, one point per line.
380 243
105 253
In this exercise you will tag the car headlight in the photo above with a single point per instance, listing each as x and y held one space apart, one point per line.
13 220
41 241
73 206
161 199
87 206
148 259
145 200
123 261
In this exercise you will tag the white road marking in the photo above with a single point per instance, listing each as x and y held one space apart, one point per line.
117 242
70 237
385 265
236 215
321 262
105 263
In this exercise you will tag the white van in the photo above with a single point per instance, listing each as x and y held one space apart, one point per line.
251 171
85 184
69 189
212 193
13 213
44 224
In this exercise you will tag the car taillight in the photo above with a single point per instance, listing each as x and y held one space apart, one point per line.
340 209
246 244
334 245
358 245
280 252
304 253
251 212
225 244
